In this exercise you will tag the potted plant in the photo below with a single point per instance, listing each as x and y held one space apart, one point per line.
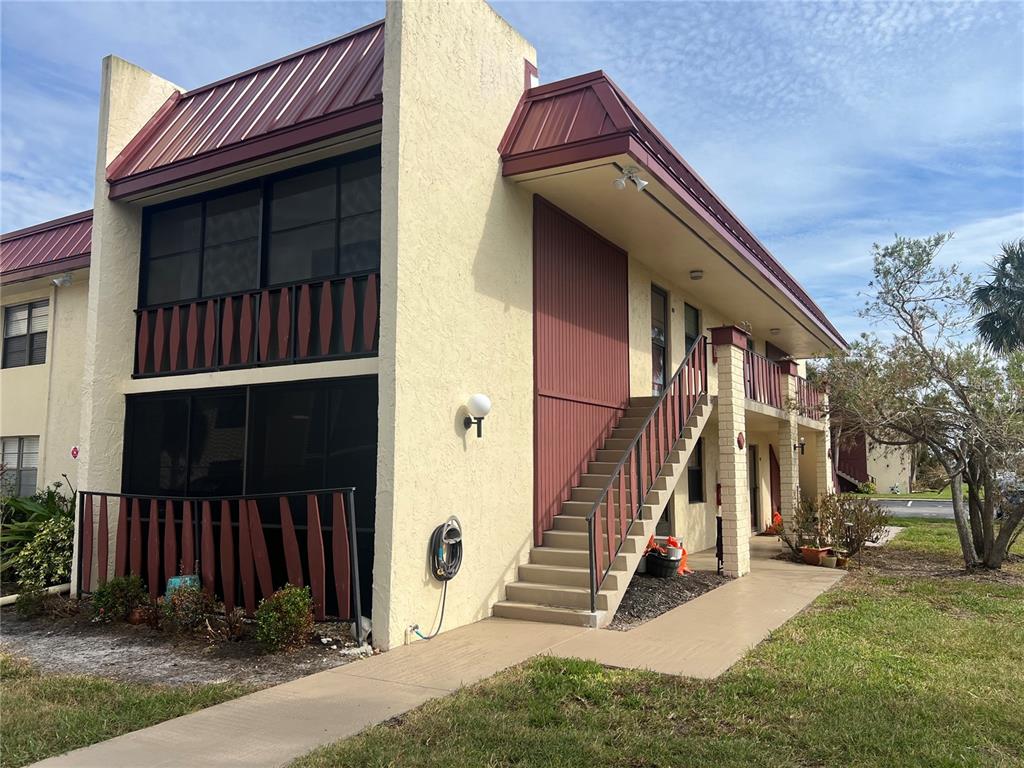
842 558
828 560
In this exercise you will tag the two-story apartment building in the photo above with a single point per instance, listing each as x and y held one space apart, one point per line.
301 274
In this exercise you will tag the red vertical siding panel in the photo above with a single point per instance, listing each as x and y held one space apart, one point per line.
315 555
290 543
188 540
170 542
260 556
348 315
227 557
340 556
121 545
136 540
153 549
370 314
207 551
102 544
86 554
326 317
581 352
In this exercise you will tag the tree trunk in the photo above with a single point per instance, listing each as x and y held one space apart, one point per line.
963 525
988 515
976 513
915 460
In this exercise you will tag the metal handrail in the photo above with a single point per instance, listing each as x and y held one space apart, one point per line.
697 349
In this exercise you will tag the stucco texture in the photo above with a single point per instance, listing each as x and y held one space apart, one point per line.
456 315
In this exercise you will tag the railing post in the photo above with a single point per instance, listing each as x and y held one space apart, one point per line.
591 555
353 559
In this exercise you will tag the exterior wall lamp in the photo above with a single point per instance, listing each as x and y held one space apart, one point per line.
478 406
800 446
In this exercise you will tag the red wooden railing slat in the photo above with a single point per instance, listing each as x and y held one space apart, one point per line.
170 542
102 545
209 332
136 540
227 329
292 560
326 317
304 321
188 541
207 556
158 341
191 335
121 543
245 565
87 544
175 336
284 323
264 326
245 330
315 555
260 556
348 315
153 549
340 552
370 315
227 557
143 344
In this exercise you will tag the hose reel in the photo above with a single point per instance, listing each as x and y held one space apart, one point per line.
445 561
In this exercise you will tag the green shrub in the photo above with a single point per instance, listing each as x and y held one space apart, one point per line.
31 601
45 560
285 619
114 600
187 608
22 518
867 488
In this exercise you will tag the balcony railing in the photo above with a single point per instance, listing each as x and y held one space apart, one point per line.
322 320
762 380
810 399
242 548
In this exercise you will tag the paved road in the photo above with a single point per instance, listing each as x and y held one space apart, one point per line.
918 508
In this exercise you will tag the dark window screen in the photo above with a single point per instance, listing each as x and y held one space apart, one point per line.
156 445
231 243
287 439
172 254
217 444
359 227
303 212
695 473
691 320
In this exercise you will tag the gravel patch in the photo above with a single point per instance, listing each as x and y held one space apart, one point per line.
73 644
648 597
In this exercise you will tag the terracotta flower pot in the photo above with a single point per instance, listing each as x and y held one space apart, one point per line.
813 555
137 616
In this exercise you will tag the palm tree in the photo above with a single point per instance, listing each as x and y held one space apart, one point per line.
1000 301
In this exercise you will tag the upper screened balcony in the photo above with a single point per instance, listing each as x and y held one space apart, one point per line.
281 269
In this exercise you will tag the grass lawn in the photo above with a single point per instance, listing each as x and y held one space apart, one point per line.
43 715
945 495
906 663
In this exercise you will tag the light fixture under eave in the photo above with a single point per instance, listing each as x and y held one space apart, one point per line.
632 173
64 280
696 274
774 331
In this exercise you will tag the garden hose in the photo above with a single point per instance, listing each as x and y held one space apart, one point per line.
445 561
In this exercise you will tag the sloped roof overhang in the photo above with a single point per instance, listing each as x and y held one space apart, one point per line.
50 248
586 118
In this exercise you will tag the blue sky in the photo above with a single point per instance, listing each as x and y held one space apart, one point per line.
825 127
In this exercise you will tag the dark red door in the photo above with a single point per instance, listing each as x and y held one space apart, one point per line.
581 352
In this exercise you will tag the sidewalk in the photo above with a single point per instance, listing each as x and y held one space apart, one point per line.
268 728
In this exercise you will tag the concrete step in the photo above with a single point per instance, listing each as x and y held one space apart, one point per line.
568 558
563 576
631 423
611 455
644 401
569 523
591 495
579 540
558 596
593 480
619 444
576 508
510 609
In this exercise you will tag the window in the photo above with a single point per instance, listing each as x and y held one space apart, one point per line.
25 327
20 465
695 473
659 339
296 226
691 323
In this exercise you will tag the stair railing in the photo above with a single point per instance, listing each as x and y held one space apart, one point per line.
620 501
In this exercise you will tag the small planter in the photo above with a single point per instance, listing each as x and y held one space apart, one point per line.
138 616
813 555
841 561
642 568
661 566
828 561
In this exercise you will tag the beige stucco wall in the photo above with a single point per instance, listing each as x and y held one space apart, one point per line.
889 466
456 315
44 400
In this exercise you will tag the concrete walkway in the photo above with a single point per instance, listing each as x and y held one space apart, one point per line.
702 638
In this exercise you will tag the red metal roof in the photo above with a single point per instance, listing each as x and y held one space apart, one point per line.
46 249
309 95
588 117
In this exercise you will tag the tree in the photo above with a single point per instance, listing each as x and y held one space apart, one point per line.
932 384
1000 301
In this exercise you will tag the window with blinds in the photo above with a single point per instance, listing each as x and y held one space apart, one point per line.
20 465
25 328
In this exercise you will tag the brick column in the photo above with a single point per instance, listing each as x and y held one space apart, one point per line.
822 460
729 343
788 436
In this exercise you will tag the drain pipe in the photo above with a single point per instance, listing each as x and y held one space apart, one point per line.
57 590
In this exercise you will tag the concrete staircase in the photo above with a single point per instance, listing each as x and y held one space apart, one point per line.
554 586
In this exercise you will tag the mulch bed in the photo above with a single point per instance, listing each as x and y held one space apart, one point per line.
72 643
648 597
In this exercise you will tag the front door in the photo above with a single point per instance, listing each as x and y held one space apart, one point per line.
659 339
752 478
